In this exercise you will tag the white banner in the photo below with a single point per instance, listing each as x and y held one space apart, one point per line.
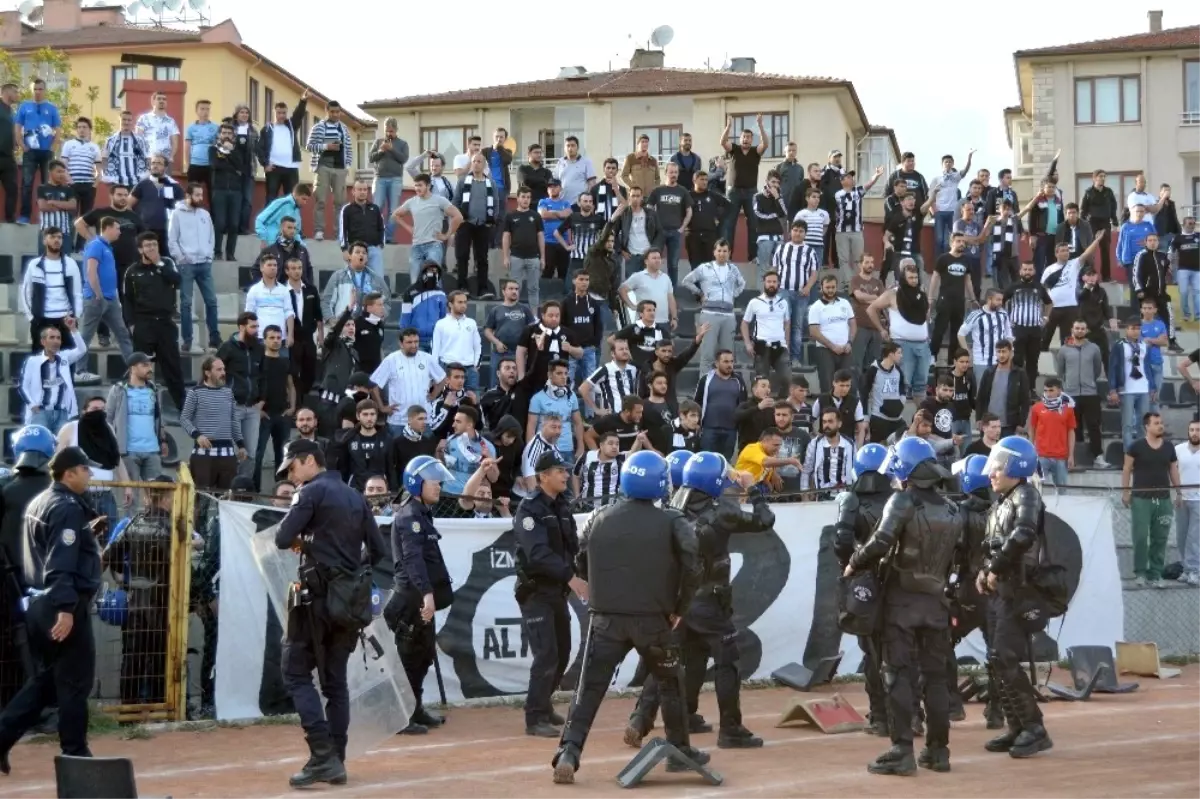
784 589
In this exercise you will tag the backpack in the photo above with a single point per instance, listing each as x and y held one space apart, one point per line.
348 598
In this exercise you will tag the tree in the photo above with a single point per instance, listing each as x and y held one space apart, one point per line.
54 67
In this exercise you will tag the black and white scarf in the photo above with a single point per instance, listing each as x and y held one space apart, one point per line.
1056 404
912 302
465 204
553 336
605 204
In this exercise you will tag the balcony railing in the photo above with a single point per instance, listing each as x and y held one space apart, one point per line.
1189 118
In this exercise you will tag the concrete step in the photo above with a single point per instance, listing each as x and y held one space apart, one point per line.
1125 556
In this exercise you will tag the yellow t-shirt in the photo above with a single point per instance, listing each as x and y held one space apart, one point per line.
751 460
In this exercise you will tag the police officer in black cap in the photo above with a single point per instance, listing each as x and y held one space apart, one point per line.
62 568
328 523
547 542
643 568
926 530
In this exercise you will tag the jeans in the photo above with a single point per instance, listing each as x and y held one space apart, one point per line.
1187 534
528 274
33 162
798 309
277 429
1155 369
387 197
865 348
8 180
673 243
375 264
943 223
634 263
914 366
581 368
976 273
819 254
201 275
97 310
50 418
1151 521
721 336
850 249
1043 253
247 203
1133 407
328 180
421 254
226 207
764 253
1189 293
719 439
962 427
104 502
249 418
142 467
1054 471
830 363
740 200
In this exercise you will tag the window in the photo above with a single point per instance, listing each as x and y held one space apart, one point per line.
269 103
664 139
1191 93
254 108
447 142
778 128
119 76
305 124
166 73
1108 101
1121 184
362 152
873 152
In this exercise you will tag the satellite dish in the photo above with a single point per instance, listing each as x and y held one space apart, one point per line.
157 6
26 7
662 36
134 8
197 5
173 5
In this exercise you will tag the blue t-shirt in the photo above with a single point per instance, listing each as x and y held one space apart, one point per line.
38 121
497 167
140 404
1153 329
102 251
551 225
564 406
200 135
462 458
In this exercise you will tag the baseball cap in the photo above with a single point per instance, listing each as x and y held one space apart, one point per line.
834 153
550 459
295 449
553 182
139 358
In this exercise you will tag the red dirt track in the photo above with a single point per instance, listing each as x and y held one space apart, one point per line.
1146 744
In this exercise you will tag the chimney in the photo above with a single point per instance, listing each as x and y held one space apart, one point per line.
10 28
62 15
96 16
1155 21
742 64
646 59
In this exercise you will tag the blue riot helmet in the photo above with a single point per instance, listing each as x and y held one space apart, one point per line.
1013 456
113 607
645 475
907 455
706 472
974 475
869 458
421 469
677 460
33 446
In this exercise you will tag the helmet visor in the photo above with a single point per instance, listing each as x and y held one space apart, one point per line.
890 462
435 471
999 460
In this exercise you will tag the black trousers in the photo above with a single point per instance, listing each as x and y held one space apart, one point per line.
416 643
1061 320
85 193
879 429
1105 250
1027 348
610 637
1087 416
144 647
916 637
1099 336
1008 646
311 644
8 180
547 621
949 317
557 260
303 355
160 338
470 239
280 181
65 675
700 245
213 471
872 647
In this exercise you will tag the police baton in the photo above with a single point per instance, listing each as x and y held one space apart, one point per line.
583 667
437 666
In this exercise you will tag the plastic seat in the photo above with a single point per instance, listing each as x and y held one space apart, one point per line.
1114 453
94 777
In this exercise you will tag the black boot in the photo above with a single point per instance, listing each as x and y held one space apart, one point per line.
993 712
935 758
556 719
1033 737
897 762
414 728
877 725
697 725
427 719
322 766
737 738
1004 741
698 756
339 746
566 763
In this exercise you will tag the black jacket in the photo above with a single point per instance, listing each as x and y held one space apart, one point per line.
654 233
547 541
16 492
282 252
332 522
1099 207
506 157
708 211
294 123
537 178
228 168
360 223
310 309
61 554
419 566
150 291
7 144
362 457
581 315
1094 307
243 369
1018 394
1166 221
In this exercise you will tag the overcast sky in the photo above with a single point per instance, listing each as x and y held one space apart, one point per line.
958 57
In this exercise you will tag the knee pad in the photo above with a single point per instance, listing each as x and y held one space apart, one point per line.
889 676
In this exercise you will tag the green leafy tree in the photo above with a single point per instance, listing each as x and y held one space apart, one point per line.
62 89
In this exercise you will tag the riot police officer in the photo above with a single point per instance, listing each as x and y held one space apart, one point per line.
61 561
708 625
142 556
859 511
422 582
926 530
1013 544
642 566
329 523
547 543
33 446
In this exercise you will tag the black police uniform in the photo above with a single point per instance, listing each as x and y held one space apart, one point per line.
62 564
969 608
16 492
143 555
547 543
859 512
149 305
419 570
331 522
927 532
708 625
1013 549
643 567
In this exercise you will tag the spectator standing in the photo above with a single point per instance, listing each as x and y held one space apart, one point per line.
865 289
626 420
708 213
1080 365
963 398
499 160
245 137
950 286
791 172
719 393
1151 271
210 417
987 326
428 230
507 320
270 301
192 242
151 287
831 324
557 399
844 400
349 287
1139 196
242 360
913 180
101 276
478 199
742 178
582 317
467 450
279 401
688 162
989 435
945 201
1061 279
902 235
439 184
1185 250
1154 333
816 223
389 158
767 341
199 137
159 129
543 342
1131 239
608 194
717 173
279 149
462 161
596 476
9 93
638 231
756 413
1075 232
604 389
365 450
368 332
1152 467
829 463
1130 380
309 326
45 384
409 377
669 365
654 285
1095 309
884 392
771 220
126 158
718 283
554 210
51 288
643 335
134 412
56 203
1100 208
848 223
577 175
362 220
154 199
794 441
523 246
1187 512
580 233
970 227
672 203
125 248
36 125
227 168
907 307
641 168
798 268
939 408
332 154
1051 427
456 340
534 174
1006 391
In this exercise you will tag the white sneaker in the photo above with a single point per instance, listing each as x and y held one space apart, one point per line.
1159 583
1140 582
1100 463
320 236
1192 579
85 378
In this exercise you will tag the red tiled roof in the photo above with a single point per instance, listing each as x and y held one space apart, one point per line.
1170 39
619 83
102 36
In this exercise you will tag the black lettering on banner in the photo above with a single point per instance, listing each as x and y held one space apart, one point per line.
496 639
766 565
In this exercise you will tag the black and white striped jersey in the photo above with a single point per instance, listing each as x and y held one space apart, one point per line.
828 464
536 447
986 329
849 209
1024 302
598 480
612 383
795 264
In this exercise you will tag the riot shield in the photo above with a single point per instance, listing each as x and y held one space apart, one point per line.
381 700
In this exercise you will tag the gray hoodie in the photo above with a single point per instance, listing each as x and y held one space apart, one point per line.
190 237
1078 365
115 410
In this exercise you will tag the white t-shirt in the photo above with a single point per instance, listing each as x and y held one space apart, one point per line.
1142 384
1142 198
1062 291
768 315
281 147
407 380
833 318
648 287
816 220
1189 470
273 306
